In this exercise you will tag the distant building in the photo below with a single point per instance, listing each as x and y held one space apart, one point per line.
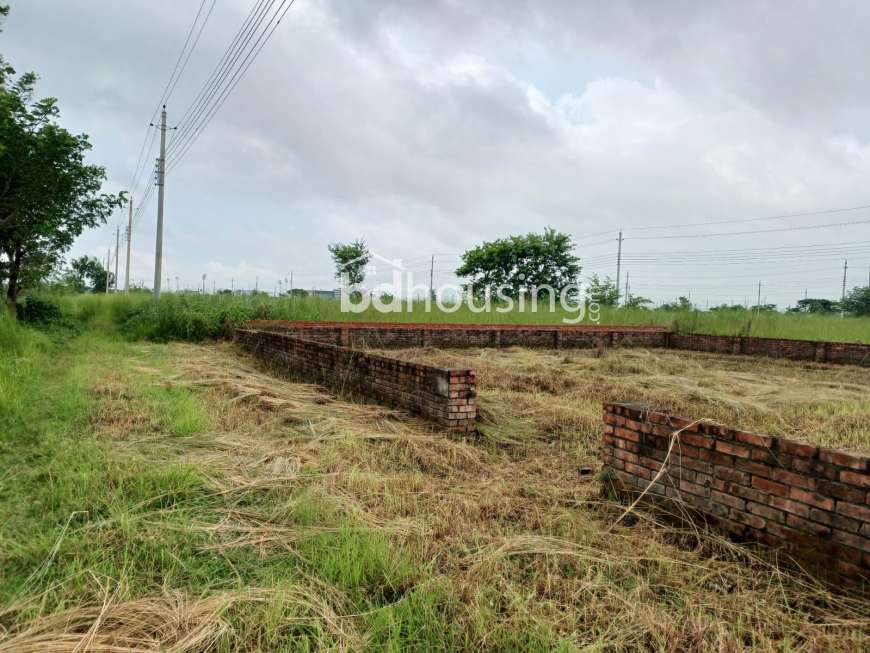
326 294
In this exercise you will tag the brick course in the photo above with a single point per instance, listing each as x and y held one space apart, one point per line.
447 396
817 509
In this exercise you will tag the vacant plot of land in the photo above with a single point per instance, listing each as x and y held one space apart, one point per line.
183 497
554 394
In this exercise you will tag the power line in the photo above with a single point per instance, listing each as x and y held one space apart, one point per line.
757 231
237 77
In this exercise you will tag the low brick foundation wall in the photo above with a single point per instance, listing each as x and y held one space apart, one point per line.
812 501
820 351
386 335
446 396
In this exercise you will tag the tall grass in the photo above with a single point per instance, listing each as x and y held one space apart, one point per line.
197 317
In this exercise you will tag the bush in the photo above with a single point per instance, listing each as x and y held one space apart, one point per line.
39 312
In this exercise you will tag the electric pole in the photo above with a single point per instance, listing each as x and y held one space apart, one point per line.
618 264
129 239
108 268
161 179
758 303
845 268
627 272
117 245
432 277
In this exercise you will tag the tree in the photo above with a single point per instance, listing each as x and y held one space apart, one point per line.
521 264
857 302
88 273
602 291
636 301
351 260
820 306
48 194
682 304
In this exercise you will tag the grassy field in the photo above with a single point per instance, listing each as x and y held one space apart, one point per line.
195 317
178 497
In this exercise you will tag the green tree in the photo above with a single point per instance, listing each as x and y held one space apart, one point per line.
48 194
521 264
88 273
857 302
602 291
682 304
351 260
819 306
636 301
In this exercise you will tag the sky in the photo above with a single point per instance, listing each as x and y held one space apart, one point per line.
428 128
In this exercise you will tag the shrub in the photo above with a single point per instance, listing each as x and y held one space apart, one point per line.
39 311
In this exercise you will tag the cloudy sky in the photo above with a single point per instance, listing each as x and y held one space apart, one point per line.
427 127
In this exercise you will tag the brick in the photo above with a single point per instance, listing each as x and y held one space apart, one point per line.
700 441
861 513
807 526
753 439
843 459
727 500
626 434
850 539
791 478
772 487
731 474
765 511
693 488
751 520
793 507
811 498
732 449
799 449
840 491
855 478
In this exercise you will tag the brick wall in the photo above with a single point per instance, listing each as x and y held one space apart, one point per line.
814 502
385 335
444 395
807 350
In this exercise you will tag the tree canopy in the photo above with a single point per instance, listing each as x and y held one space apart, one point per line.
602 291
48 194
351 259
521 264
857 302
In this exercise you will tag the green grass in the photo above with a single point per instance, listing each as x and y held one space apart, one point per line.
197 317
98 498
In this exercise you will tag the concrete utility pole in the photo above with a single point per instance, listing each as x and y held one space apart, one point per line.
618 264
108 268
758 303
627 272
845 268
129 240
161 180
117 245
432 277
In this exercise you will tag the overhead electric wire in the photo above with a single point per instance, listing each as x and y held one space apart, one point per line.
756 231
249 60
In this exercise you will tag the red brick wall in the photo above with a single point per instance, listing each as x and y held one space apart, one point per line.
404 335
810 350
815 502
444 395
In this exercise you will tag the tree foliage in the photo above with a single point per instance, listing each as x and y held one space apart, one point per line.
88 273
48 194
817 306
637 302
682 304
521 264
351 260
602 291
857 302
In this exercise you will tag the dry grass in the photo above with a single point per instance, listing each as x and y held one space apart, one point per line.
509 526
558 394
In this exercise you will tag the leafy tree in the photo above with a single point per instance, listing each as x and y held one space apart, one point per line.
682 304
820 306
48 194
636 301
857 302
88 273
521 264
602 291
763 308
351 259
727 307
